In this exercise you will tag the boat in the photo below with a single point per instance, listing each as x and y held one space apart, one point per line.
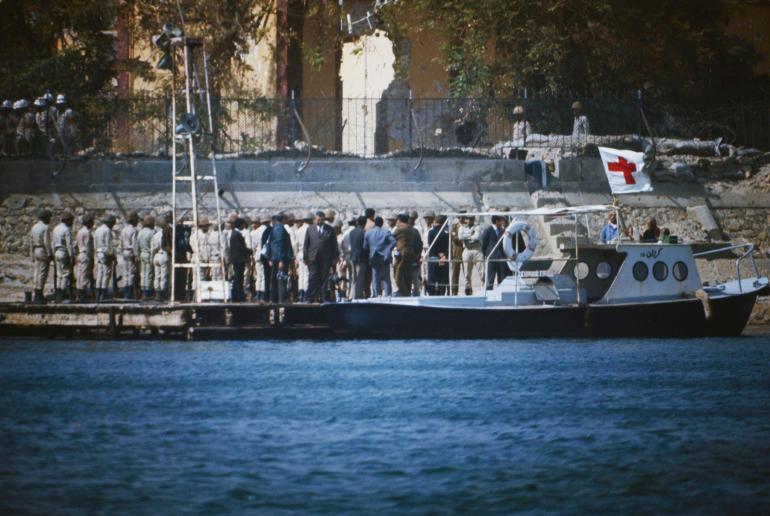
618 290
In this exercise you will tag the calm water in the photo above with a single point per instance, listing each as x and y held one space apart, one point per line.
385 426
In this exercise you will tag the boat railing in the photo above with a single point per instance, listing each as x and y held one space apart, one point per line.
749 253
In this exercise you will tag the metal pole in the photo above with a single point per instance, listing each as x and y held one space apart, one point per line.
193 173
451 263
577 259
221 263
173 174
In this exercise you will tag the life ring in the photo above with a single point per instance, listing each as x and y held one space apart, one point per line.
522 256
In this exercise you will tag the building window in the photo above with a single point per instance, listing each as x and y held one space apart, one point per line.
660 271
640 271
680 271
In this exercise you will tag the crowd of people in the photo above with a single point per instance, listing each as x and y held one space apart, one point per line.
266 258
46 127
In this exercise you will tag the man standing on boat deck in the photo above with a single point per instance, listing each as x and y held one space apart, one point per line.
438 269
408 249
144 252
105 257
240 255
358 259
279 256
161 251
496 266
321 252
40 250
85 259
378 245
610 232
64 254
470 235
302 270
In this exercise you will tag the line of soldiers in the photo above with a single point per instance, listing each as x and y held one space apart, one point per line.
45 127
269 258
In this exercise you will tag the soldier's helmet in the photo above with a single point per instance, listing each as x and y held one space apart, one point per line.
48 97
40 103
577 105
86 218
44 214
430 214
67 215
264 218
133 217
414 215
61 99
149 221
232 218
21 104
330 213
7 104
518 110
308 217
203 222
109 219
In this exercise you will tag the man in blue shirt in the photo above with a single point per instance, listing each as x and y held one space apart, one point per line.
378 244
279 257
610 232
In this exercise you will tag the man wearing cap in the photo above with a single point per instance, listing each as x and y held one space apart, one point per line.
127 251
279 256
330 216
40 251
408 250
85 259
199 243
25 128
105 257
391 219
144 252
320 253
580 127
160 250
469 234
302 271
64 254
65 123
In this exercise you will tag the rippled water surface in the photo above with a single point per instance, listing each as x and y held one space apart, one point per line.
370 427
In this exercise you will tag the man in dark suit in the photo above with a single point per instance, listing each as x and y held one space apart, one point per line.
496 266
358 258
240 255
279 255
438 268
320 254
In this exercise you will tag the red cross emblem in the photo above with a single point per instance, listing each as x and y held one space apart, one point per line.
624 167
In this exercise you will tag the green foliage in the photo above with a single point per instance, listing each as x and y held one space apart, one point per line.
61 45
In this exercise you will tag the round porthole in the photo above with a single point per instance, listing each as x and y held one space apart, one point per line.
603 270
582 270
680 271
640 271
660 271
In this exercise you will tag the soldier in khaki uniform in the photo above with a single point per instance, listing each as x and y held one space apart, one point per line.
128 251
473 259
144 252
105 257
161 251
85 259
64 255
260 277
216 249
456 255
408 249
201 252
40 251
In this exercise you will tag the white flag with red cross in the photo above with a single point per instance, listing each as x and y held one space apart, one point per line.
624 171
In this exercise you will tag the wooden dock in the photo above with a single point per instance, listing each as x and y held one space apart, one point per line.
206 321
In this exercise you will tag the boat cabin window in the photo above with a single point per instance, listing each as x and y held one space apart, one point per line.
603 270
640 271
680 271
660 271
582 270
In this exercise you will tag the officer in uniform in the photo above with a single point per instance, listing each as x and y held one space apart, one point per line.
64 254
85 259
160 250
216 248
45 127
65 123
105 257
128 251
144 252
25 128
469 234
199 243
40 250
456 255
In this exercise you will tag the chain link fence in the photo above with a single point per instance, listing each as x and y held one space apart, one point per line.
368 127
